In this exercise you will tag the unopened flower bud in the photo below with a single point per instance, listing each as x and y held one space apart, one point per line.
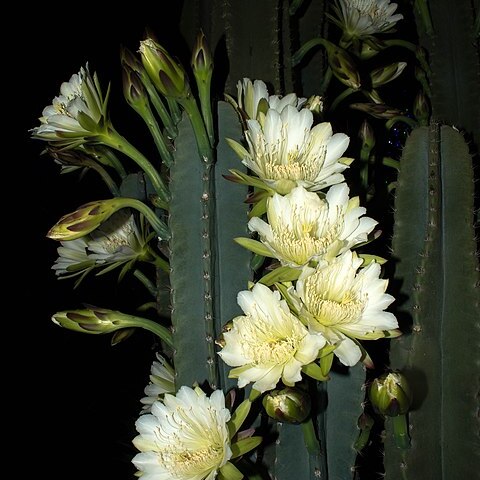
168 76
390 394
89 320
85 219
371 47
367 136
202 62
315 104
343 66
133 89
376 110
290 405
382 75
421 108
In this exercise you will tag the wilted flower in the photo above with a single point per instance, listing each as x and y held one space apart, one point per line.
77 113
118 241
162 381
286 151
303 227
268 343
361 18
343 303
185 437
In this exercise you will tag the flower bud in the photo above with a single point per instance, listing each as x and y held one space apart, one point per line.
376 110
168 76
421 108
390 394
89 320
290 405
367 136
343 66
133 89
382 75
315 104
202 62
85 219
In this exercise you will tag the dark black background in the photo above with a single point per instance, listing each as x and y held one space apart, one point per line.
73 398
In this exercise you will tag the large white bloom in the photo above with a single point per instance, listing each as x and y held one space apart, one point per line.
116 242
360 18
342 303
268 343
303 227
251 94
285 151
162 381
62 122
184 438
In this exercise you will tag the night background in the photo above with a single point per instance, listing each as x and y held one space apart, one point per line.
83 394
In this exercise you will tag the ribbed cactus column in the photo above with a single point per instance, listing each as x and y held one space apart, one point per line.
435 246
207 267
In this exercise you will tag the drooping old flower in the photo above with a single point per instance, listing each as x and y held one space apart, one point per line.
77 113
162 381
303 227
268 343
361 18
345 304
185 437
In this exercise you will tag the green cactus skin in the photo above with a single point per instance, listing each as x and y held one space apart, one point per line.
202 251
435 245
454 55
346 395
231 213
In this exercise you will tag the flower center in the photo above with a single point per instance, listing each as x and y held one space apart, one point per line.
332 311
260 345
191 462
303 243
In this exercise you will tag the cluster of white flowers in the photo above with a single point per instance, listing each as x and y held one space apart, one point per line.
334 302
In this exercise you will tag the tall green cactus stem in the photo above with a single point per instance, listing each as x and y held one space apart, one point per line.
438 270
207 268
254 36
346 395
454 61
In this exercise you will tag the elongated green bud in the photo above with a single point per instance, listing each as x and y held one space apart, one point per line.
290 405
84 220
382 75
421 108
343 65
377 110
367 136
133 89
168 76
97 321
390 394
202 62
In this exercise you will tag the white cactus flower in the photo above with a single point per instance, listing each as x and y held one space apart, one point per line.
184 438
361 18
285 151
303 227
268 343
342 303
